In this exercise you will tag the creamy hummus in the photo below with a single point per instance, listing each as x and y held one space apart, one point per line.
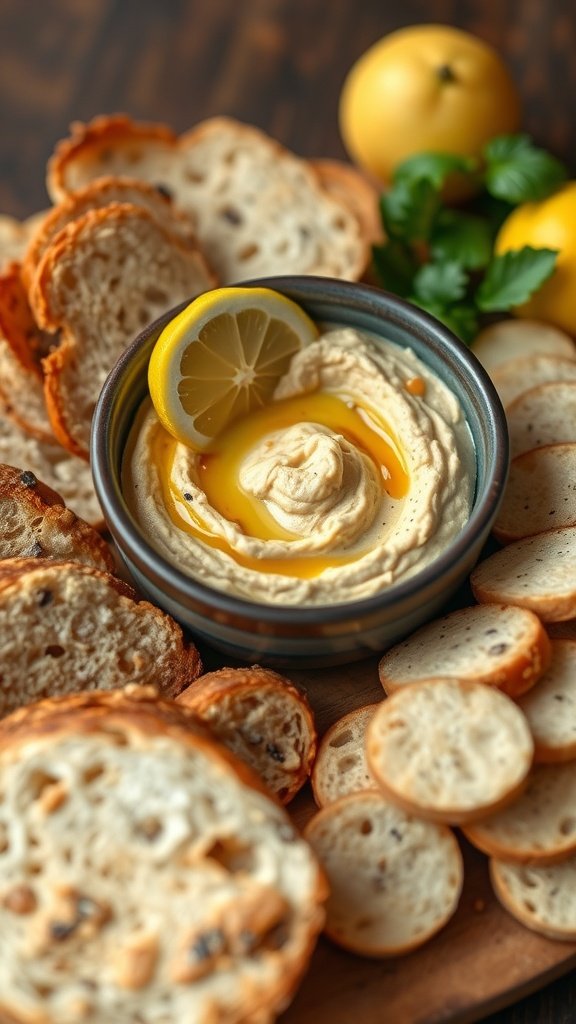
358 474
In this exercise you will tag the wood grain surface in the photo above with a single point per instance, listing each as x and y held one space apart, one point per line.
280 64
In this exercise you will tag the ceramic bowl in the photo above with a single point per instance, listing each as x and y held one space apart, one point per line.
330 634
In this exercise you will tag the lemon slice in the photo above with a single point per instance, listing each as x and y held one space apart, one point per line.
222 357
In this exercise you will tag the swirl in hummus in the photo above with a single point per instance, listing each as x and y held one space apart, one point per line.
360 472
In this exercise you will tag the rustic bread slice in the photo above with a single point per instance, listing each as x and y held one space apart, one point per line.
259 209
498 343
540 826
150 862
542 415
94 196
550 706
540 494
110 145
22 396
263 718
360 195
518 375
66 627
15 235
35 522
500 645
103 278
64 473
541 898
536 573
340 767
394 880
449 750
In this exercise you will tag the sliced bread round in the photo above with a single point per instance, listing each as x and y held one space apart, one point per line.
449 750
536 573
145 876
542 415
57 468
102 279
263 718
540 494
394 880
518 375
541 898
540 826
34 521
340 766
500 645
510 339
66 627
550 706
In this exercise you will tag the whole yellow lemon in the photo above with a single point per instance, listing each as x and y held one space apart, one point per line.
548 224
425 88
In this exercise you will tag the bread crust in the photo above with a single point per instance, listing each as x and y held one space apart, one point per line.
320 786
222 698
527 510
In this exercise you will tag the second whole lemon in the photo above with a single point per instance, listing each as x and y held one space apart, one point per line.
425 88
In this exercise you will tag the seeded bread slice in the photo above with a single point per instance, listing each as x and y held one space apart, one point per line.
263 718
57 468
66 627
146 858
98 194
394 880
550 706
35 522
540 494
258 208
103 278
541 898
542 415
495 345
540 826
500 645
535 573
449 750
518 375
340 767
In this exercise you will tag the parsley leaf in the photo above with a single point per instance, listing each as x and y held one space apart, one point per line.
395 266
408 210
519 172
433 167
512 278
462 237
441 283
461 319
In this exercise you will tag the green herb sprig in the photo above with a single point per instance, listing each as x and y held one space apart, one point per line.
442 258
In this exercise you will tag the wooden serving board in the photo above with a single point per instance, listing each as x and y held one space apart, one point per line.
483 959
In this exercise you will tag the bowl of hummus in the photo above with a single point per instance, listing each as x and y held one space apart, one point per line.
339 518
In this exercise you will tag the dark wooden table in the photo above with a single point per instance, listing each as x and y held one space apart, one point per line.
278 64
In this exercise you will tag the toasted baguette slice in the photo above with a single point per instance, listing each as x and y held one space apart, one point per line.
542 415
536 573
35 522
103 278
518 375
149 861
550 706
511 339
66 627
499 645
58 469
263 718
259 209
22 396
448 750
540 494
394 880
94 196
541 898
540 826
340 767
